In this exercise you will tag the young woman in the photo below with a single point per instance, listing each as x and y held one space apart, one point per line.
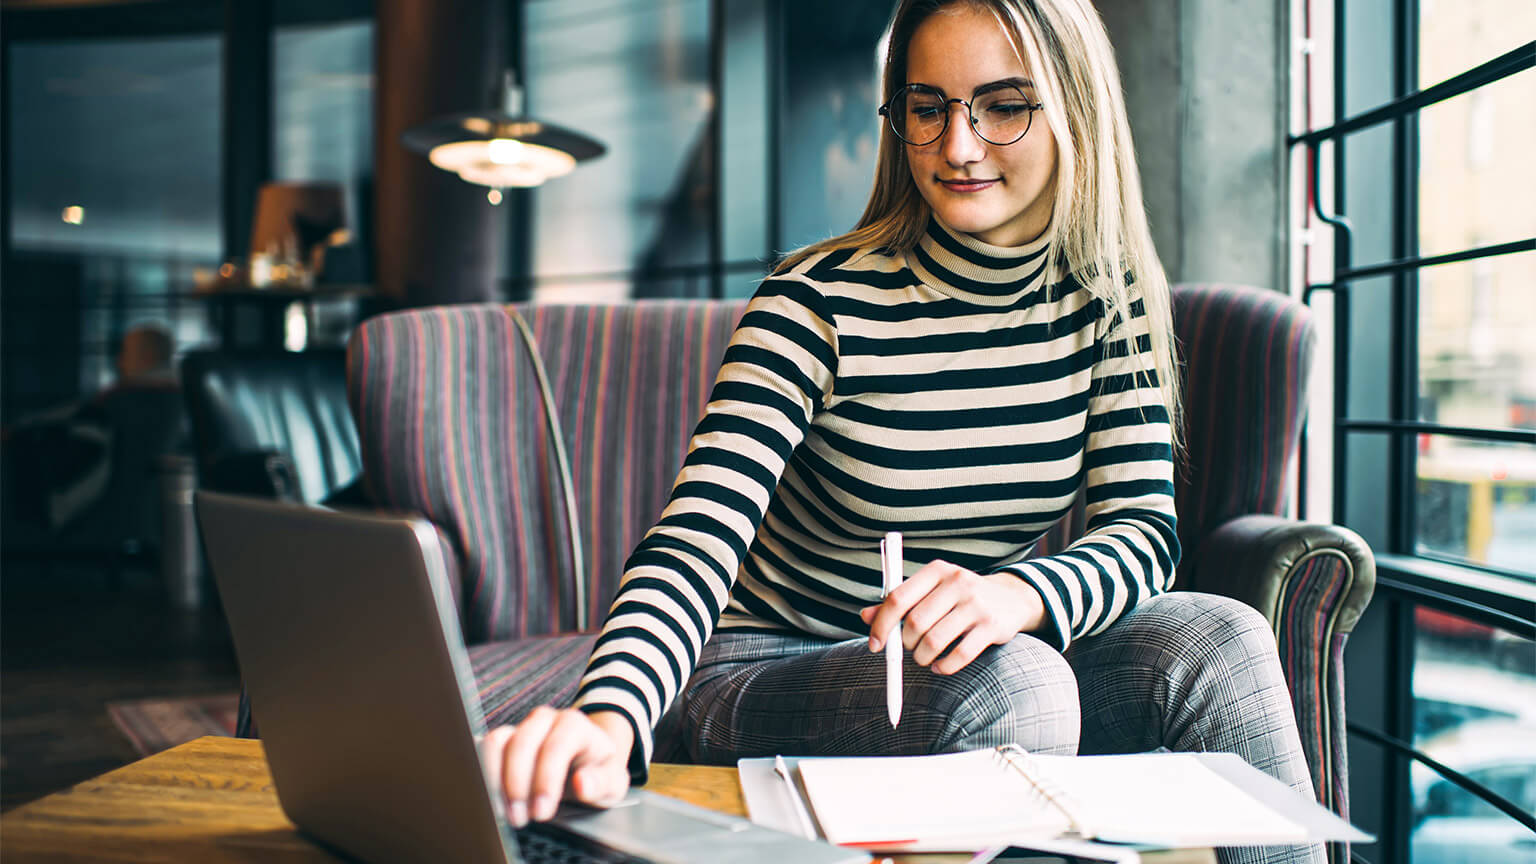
994 335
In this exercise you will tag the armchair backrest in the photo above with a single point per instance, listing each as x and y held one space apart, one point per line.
453 426
1247 355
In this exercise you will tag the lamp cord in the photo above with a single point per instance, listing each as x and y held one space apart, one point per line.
562 463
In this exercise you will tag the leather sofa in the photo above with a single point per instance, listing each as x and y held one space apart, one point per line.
271 423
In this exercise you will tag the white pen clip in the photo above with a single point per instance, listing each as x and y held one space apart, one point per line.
891 574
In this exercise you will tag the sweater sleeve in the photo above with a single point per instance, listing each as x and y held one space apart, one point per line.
777 372
1131 545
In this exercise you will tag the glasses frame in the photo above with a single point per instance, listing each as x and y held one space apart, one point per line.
885 111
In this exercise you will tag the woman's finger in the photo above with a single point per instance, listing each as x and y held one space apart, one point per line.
968 649
934 607
570 739
601 783
896 604
520 759
935 639
492 746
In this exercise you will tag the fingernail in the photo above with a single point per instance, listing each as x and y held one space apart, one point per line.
543 807
874 644
517 813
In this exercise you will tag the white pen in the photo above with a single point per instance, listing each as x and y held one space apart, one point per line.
891 571
781 768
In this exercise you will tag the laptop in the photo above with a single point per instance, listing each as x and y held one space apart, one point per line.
349 645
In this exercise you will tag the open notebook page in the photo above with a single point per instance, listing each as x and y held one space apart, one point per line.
954 801
1161 799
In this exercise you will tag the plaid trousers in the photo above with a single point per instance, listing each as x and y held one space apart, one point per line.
1183 670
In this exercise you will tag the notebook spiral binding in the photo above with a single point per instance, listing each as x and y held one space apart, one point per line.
1017 758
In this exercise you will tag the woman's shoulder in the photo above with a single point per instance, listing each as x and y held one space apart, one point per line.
838 267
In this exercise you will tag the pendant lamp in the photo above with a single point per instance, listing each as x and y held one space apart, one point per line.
501 148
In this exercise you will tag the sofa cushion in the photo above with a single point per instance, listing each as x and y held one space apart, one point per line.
514 677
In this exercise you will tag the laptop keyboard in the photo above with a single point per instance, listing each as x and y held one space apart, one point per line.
541 843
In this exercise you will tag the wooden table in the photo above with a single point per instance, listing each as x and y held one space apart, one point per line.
212 800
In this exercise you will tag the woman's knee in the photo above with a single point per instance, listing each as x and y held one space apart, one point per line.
1021 692
1208 633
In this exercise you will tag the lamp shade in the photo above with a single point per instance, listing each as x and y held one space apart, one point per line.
298 217
501 148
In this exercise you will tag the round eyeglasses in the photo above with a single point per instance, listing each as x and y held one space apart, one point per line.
919 114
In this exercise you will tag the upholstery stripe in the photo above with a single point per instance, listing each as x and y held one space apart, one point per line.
515 677
1248 354
1314 587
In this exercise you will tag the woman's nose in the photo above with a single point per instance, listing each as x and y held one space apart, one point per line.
962 145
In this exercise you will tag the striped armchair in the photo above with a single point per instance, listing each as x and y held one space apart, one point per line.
452 425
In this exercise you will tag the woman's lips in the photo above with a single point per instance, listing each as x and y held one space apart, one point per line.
967 185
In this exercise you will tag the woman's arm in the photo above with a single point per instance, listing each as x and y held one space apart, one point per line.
776 374
1131 546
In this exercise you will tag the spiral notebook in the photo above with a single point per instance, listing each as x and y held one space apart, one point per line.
979 798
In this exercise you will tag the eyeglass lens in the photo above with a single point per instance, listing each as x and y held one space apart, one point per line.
919 115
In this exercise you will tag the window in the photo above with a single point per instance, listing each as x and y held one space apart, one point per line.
735 133
1420 259
1432 284
1474 709
637 76
110 215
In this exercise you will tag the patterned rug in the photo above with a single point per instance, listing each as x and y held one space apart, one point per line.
152 725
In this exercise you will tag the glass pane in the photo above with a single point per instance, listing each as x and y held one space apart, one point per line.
1474 152
744 150
1456 35
1474 709
1368 30
115 201
1477 360
1477 501
828 128
322 116
127 131
635 75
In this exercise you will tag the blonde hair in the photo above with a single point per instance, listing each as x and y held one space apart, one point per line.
1100 222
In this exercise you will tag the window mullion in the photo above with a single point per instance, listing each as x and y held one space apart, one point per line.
1341 264
1405 319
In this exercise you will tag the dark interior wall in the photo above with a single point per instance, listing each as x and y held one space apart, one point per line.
438 238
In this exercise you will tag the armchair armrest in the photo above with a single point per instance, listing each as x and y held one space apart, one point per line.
262 473
1257 559
1312 582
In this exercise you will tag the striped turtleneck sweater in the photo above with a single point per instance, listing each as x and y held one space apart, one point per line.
952 394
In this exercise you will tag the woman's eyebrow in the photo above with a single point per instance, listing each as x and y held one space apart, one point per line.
1020 83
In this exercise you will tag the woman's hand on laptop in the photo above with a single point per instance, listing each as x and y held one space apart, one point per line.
554 754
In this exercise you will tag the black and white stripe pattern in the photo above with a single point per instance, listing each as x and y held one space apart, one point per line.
954 395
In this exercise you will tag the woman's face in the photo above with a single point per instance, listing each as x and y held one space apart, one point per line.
1001 194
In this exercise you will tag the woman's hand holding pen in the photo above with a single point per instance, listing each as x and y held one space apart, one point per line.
556 754
944 605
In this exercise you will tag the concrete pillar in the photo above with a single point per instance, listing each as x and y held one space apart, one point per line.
1206 88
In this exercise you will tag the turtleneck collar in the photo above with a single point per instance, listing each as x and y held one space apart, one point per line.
965 268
